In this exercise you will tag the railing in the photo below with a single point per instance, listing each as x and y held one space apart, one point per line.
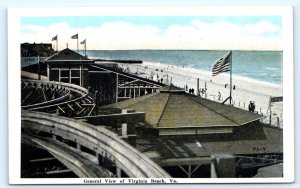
102 142
80 91
38 84
275 122
73 97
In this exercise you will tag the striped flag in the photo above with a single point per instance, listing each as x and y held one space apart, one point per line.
222 64
75 36
83 42
54 38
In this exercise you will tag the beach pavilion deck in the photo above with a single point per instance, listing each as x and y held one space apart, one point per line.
174 112
187 131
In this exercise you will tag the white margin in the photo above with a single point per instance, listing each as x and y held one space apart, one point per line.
14 93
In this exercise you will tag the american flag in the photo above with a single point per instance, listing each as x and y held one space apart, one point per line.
75 36
222 64
83 42
54 38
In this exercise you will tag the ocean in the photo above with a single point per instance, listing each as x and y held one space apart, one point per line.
264 66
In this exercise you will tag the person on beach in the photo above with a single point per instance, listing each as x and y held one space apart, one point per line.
219 96
253 106
250 106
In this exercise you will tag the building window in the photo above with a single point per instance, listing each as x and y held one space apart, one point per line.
75 81
66 75
66 80
75 73
75 76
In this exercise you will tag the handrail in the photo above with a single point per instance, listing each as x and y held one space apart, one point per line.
83 92
78 164
126 157
73 87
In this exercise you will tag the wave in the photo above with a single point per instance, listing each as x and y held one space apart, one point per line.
208 74
272 68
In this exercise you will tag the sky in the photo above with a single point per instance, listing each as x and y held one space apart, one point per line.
156 32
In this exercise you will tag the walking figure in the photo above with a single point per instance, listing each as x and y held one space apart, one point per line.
219 96
251 106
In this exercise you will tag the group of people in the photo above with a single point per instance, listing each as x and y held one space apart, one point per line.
251 106
191 90
232 87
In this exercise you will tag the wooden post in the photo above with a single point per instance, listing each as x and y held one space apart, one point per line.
48 73
70 74
119 172
189 171
80 75
205 89
213 173
117 80
124 129
78 146
124 125
270 106
167 81
198 90
230 94
59 74
39 68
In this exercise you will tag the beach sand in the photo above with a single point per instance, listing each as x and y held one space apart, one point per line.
246 89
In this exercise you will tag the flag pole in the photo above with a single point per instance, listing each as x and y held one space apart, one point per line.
85 47
77 44
56 43
230 96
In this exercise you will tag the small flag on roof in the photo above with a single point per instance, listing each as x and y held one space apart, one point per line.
83 42
54 38
75 36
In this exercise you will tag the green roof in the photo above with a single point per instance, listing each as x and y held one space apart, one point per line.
67 55
179 109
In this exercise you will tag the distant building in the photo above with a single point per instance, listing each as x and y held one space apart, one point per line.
33 50
69 67
33 53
